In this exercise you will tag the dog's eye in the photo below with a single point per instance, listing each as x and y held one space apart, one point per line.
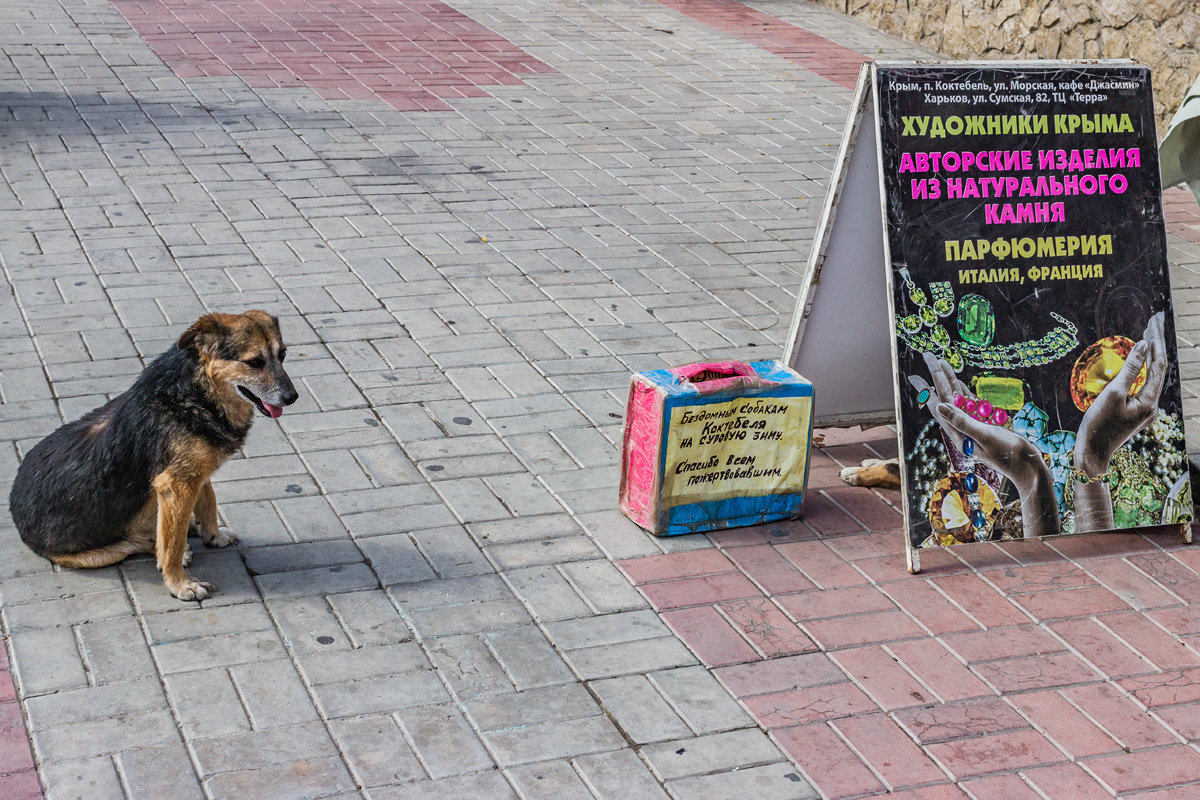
256 363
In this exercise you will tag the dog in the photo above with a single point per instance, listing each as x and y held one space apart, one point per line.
874 472
130 476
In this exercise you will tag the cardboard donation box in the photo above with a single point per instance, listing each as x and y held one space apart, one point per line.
715 445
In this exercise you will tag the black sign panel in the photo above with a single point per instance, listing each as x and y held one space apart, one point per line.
1038 386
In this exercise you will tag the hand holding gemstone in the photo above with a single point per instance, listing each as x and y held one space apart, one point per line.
1116 415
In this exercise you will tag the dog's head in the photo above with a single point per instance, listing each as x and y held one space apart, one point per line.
244 353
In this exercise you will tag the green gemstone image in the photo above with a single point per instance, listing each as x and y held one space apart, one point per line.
940 337
927 315
911 323
976 321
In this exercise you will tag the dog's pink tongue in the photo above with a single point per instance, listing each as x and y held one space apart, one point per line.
274 411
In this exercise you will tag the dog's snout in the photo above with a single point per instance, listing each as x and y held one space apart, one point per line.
290 395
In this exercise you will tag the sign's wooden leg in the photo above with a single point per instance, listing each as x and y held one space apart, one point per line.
914 559
1185 532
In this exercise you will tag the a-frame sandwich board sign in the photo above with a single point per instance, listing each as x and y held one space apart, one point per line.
840 332
1025 334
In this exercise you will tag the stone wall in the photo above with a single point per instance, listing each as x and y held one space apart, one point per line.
1162 34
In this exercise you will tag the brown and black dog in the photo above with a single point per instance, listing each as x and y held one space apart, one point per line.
130 476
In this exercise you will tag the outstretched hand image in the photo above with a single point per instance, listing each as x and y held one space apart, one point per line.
1112 419
1010 454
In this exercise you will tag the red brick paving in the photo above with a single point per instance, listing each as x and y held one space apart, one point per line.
412 54
1068 667
811 51
18 778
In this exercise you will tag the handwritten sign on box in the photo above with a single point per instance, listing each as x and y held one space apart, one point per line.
715 445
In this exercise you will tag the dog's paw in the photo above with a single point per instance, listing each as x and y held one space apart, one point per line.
220 539
192 589
873 473
849 475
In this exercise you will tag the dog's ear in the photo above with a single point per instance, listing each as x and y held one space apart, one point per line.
205 336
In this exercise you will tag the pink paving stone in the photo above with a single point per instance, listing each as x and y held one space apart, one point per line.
835 602
860 629
827 761
709 636
935 563
1066 781
676 565
1188 556
822 565
1127 581
826 517
849 453
1001 787
1036 672
1165 689
340 48
941 791
1031 551
1172 571
1020 640
883 678
20 786
766 627
770 533
867 545
810 704
1181 621
1189 792
1040 578
15 755
1147 769
780 674
1101 648
1095 545
1120 716
1064 724
939 669
885 747
766 567
986 555
961 720
1001 752
1184 719
868 508
931 608
831 438
1162 649
703 590
1067 603
979 599
824 477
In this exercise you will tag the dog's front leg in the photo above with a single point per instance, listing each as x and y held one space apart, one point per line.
206 515
176 500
